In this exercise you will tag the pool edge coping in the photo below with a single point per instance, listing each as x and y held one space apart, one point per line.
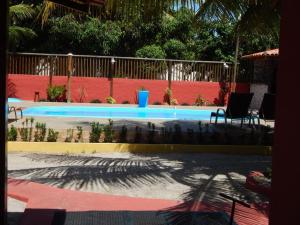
75 148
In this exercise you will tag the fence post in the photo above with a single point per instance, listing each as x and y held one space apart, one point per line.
50 70
70 71
111 75
170 74
50 79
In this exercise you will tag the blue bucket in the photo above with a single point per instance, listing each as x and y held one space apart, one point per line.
143 98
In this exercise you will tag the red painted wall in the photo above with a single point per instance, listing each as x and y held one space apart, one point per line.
125 89
185 92
24 86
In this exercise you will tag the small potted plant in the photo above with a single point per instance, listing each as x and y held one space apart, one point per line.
168 96
143 96
110 100
200 101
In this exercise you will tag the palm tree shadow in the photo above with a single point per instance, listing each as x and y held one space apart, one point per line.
204 191
79 172
206 175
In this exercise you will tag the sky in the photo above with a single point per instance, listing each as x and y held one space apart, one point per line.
179 6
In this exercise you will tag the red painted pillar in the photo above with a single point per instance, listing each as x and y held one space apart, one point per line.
285 201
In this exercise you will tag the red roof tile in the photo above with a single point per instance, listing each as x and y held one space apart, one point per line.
268 53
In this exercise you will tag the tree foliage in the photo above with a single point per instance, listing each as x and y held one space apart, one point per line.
17 32
64 34
251 16
178 33
175 49
151 51
83 36
100 38
144 10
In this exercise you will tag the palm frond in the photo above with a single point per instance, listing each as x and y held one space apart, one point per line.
147 8
95 172
21 12
16 34
220 9
259 16
126 9
46 11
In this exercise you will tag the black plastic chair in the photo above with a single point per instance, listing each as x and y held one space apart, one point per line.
266 111
237 108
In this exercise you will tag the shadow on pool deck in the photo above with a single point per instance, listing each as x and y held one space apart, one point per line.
46 204
205 175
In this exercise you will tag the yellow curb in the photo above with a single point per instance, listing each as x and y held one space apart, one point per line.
61 147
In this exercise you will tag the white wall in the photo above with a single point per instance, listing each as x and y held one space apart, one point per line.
259 90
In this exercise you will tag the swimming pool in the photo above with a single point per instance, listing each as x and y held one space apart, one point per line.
12 100
118 112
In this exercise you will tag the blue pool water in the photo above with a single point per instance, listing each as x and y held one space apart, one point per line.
14 100
119 112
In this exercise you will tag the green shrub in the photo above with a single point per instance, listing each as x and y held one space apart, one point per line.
110 100
174 101
200 133
123 134
69 136
157 103
96 130
23 131
138 134
108 132
166 135
26 131
151 132
177 135
211 104
267 135
52 135
40 132
12 134
31 127
168 95
79 137
95 101
56 93
190 136
185 104
151 51
175 49
229 139
142 88
200 101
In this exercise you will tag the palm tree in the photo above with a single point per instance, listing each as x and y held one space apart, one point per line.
260 16
250 16
144 9
17 14
255 14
